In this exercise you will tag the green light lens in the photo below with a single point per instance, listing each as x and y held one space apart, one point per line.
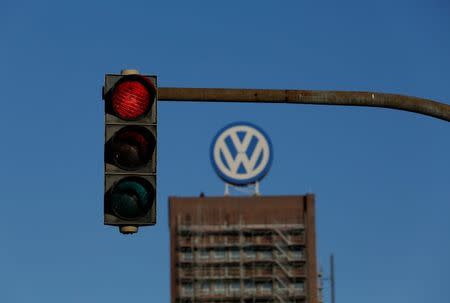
131 199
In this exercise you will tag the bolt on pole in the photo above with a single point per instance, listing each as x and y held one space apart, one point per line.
400 102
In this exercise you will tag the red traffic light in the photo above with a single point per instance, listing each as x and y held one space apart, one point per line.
132 97
130 150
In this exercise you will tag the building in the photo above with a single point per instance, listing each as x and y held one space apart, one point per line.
243 249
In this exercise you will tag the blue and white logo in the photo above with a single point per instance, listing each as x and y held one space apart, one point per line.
241 153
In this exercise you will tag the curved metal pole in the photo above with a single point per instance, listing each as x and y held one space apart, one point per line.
400 102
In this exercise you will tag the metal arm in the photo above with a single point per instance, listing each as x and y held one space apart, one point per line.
400 102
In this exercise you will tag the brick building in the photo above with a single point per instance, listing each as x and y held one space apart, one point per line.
243 249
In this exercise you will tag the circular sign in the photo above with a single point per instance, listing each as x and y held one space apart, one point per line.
241 153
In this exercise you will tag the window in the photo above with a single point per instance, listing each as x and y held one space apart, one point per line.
249 286
250 254
186 240
219 254
235 254
186 272
218 270
186 289
233 271
299 286
296 236
267 238
265 287
203 254
233 239
265 255
248 239
205 287
235 286
296 253
218 287
259 239
186 255
281 286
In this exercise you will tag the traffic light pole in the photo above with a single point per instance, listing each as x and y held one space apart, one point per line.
400 102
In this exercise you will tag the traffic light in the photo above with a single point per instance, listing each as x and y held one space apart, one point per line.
130 150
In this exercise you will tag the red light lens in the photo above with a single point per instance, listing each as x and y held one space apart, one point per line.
131 99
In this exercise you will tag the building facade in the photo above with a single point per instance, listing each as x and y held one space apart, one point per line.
243 249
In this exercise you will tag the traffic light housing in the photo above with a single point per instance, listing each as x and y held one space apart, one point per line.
130 150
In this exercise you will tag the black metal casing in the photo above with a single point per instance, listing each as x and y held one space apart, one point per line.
113 173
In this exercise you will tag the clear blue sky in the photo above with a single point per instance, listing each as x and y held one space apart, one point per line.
381 177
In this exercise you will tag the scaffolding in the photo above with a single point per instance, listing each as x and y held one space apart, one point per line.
240 263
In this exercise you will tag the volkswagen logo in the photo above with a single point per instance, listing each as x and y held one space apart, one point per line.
241 153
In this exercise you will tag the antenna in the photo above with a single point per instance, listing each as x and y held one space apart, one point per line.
332 281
